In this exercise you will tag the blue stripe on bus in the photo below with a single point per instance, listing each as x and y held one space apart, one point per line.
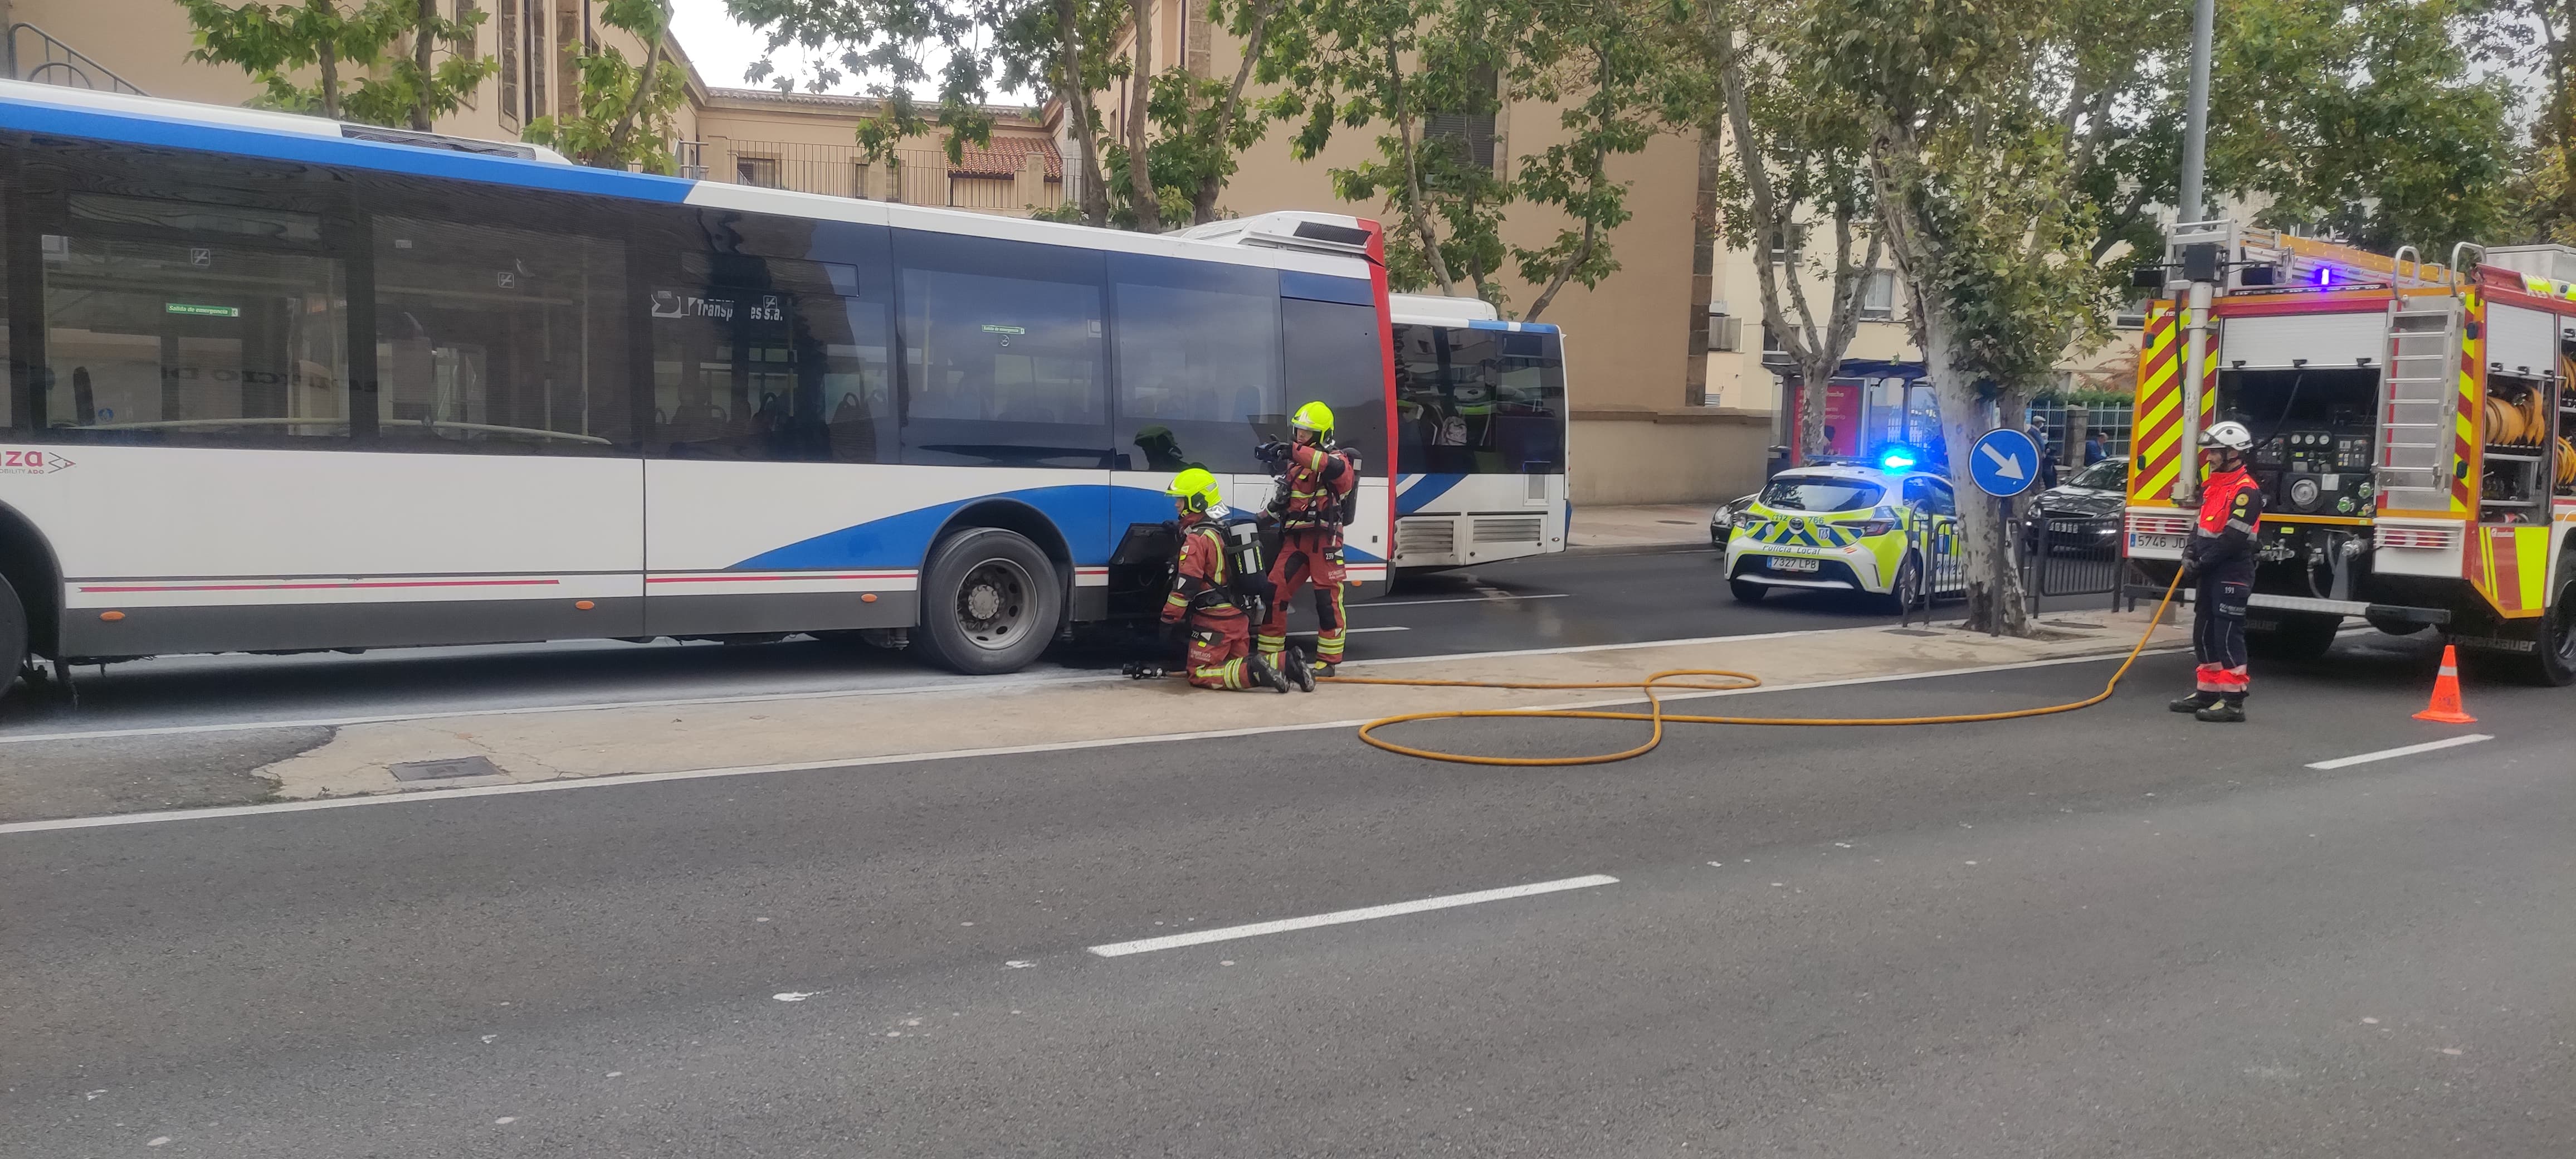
1325 288
1514 327
1423 490
409 159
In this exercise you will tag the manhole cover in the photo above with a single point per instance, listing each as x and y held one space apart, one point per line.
445 769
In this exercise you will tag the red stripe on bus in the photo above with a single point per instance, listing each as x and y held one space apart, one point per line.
325 587
762 579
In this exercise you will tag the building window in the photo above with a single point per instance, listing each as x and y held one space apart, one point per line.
1471 135
506 31
760 171
568 42
1878 302
536 61
1786 245
465 47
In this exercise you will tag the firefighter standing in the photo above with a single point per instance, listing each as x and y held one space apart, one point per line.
1310 506
1203 597
2220 561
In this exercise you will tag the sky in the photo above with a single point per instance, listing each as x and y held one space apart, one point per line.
722 49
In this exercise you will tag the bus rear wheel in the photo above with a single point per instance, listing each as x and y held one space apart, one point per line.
13 636
990 601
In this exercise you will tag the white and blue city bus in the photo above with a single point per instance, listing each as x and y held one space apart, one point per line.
1480 435
280 384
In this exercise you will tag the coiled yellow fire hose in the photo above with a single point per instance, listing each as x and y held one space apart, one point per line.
1658 718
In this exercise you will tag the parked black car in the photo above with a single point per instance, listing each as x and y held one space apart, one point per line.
1721 522
2095 500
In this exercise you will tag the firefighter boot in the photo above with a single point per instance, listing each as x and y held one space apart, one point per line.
1259 674
2194 702
2228 710
1299 671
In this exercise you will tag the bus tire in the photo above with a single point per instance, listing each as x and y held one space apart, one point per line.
13 636
990 602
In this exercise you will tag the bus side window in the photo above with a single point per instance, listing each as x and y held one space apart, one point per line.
771 359
1004 352
491 339
1198 362
193 323
1335 355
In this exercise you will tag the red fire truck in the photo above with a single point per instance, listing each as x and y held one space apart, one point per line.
2412 423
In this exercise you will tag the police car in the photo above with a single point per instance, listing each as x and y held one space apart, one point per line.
1847 527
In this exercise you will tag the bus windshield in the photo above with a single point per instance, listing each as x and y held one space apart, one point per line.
1479 401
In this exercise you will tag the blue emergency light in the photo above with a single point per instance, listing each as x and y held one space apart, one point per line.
1896 458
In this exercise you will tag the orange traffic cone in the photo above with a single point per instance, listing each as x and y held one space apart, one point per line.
2446 692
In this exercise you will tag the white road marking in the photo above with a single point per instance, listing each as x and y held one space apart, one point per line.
424 795
2408 751
1344 917
1495 598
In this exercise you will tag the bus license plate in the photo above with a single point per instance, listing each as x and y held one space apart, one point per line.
1784 563
2142 541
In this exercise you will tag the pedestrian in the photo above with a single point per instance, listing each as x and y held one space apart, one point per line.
1317 481
2093 449
2219 561
1206 603
2047 453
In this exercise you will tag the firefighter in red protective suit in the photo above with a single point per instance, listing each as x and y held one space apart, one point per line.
1205 602
2220 562
1310 507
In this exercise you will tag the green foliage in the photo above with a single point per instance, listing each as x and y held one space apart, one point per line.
626 113
1607 65
276 42
891 43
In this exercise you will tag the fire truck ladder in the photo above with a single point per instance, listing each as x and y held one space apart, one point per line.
2415 422
2313 263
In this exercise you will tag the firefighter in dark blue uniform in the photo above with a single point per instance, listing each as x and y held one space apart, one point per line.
2219 561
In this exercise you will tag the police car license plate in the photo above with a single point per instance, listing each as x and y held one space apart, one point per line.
2140 539
1786 563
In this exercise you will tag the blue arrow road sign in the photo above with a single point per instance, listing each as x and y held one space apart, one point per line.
2005 463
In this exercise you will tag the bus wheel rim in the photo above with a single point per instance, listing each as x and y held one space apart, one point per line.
993 604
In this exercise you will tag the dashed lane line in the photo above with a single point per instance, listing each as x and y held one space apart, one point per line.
1345 917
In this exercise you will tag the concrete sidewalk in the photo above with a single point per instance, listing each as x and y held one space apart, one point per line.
953 722
1656 525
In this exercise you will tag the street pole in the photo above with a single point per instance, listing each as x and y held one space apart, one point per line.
2195 317
2195 136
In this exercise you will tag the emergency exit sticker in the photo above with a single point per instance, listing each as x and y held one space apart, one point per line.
200 310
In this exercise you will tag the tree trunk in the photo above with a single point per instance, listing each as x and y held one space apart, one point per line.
425 19
1212 183
1994 591
1078 107
330 63
635 100
1140 176
1415 211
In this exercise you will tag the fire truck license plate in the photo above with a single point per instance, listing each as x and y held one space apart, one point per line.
2142 540
1784 563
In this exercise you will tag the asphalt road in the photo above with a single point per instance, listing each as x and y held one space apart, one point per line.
2111 933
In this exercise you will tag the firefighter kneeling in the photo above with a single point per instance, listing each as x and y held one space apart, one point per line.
1205 594
2221 557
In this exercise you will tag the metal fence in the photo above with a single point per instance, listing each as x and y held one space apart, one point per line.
2072 557
910 176
1940 572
